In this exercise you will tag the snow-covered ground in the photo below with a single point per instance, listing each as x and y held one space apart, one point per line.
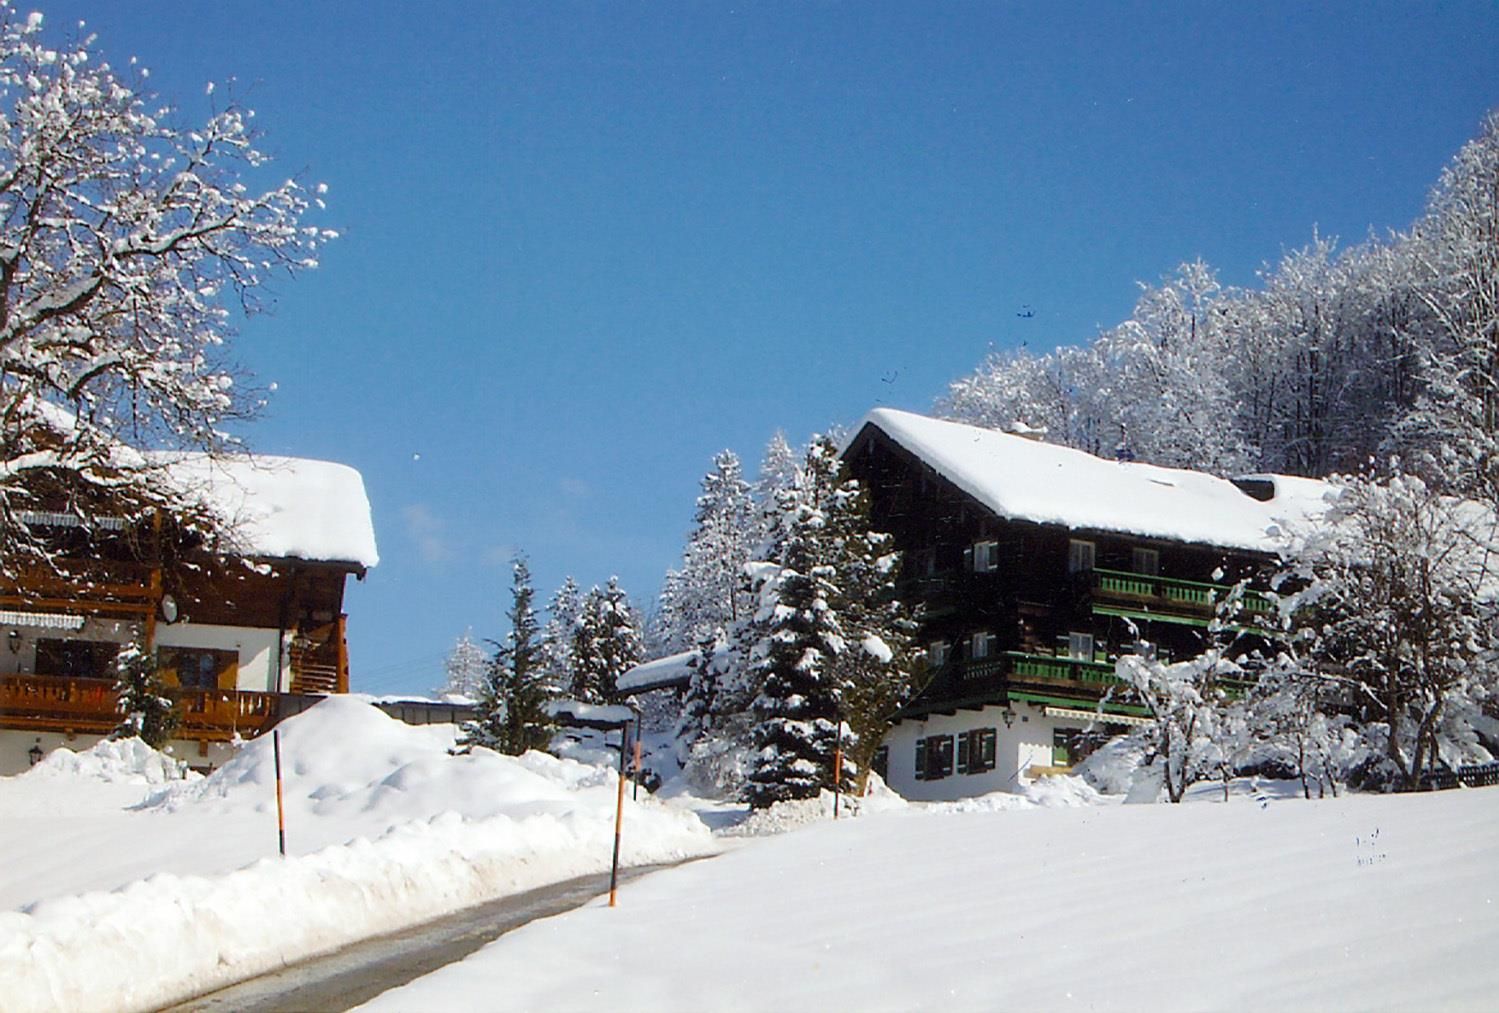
125 890
1058 901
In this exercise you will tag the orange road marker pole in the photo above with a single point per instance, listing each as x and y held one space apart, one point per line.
619 815
280 809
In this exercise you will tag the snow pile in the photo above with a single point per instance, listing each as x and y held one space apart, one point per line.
1358 903
113 761
798 813
1111 767
1053 792
431 833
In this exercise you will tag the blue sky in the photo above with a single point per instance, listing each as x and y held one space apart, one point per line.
586 246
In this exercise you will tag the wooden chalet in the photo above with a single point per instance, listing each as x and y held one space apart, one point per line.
242 637
1036 566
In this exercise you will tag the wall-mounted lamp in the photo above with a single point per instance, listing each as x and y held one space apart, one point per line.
168 608
35 753
13 638
1009 717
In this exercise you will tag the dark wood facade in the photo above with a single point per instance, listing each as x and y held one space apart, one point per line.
1020 611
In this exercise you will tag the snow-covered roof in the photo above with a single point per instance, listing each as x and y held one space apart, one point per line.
1025 479
672 670
282 507
590 715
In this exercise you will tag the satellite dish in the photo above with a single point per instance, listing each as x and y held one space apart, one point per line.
169 608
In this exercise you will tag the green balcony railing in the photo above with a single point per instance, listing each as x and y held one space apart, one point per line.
1168 595
1044 666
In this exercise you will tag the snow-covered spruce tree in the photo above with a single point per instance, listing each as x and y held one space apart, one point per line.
875 673
829 643
779 469
146 711
512 707
606 643
128 241
712 576
696 716
563 616
796 726
1398 610
465 669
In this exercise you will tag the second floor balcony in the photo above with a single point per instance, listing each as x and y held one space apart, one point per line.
1171 599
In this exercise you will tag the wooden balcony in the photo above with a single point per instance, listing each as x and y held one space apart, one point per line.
975 683
1150 596
1047 668
117 588
87 706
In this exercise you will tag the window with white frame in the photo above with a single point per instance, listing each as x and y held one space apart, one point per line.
982 645
985 557
937 653
1080 556
1080 646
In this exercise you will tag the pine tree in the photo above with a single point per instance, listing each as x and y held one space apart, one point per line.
778 471
563 615
799 638
875 673
696 716
148 713
712 593
606 644
466 667
796 728
512 708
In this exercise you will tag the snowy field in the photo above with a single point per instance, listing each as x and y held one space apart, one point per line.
1261 903
125 890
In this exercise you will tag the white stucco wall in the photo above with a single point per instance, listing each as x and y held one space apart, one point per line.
258 650
15 747
1025 744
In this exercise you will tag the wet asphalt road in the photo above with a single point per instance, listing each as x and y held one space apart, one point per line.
356 974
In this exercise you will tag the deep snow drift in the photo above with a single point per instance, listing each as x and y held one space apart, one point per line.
385 829
1044 903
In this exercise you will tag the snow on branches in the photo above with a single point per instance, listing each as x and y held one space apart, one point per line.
127 242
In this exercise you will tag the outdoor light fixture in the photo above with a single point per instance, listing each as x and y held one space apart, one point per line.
1009 717
35 753
13 638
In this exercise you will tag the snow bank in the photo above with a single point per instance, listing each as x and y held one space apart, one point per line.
434 833
113 761
1362 903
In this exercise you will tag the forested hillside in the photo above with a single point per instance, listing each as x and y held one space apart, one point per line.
1340 358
